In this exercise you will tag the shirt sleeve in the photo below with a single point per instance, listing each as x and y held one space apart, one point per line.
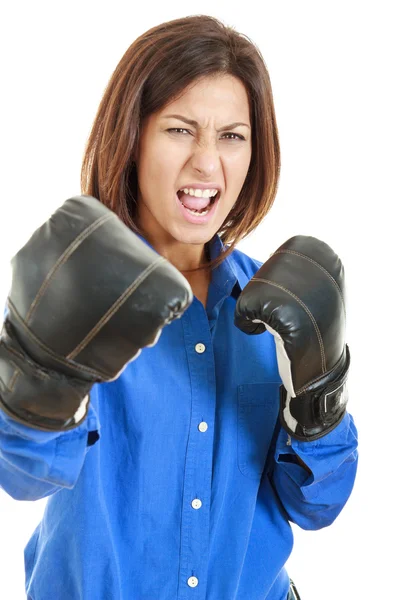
314 500
35 464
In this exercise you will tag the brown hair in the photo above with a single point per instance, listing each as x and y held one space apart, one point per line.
154 70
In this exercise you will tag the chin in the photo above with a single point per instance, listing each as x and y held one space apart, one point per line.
193 237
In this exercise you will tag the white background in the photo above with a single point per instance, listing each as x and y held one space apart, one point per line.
334 70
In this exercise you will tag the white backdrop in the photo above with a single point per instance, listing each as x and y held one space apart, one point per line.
335 79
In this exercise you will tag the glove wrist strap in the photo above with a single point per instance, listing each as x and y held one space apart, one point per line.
317 411
36 396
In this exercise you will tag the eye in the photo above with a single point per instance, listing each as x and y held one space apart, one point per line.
176 129
236 136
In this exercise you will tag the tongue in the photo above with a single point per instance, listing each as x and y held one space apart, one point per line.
194 203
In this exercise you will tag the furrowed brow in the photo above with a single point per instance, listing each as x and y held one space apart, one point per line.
195 123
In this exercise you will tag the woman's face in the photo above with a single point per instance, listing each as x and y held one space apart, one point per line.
174 154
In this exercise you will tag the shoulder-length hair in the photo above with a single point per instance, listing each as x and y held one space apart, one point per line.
156 69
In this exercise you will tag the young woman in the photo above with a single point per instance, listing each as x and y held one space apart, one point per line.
178 402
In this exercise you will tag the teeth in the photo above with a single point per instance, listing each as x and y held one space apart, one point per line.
199 193
197 213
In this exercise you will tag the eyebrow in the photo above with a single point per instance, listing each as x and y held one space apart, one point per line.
195 123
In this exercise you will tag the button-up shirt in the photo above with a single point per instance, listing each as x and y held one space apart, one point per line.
180 484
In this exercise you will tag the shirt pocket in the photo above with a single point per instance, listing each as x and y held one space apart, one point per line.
257 409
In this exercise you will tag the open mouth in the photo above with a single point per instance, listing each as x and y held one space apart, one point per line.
201 211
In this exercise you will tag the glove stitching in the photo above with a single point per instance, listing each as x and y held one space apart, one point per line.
84 369
320 267
321 345
63 258
115 307
87 370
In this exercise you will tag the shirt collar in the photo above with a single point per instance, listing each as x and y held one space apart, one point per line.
229 269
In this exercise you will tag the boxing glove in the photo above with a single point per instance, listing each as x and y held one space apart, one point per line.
87 295
298 295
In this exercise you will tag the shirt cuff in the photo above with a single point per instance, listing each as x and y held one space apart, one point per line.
7 423
323 456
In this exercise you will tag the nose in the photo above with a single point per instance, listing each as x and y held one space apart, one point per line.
205 159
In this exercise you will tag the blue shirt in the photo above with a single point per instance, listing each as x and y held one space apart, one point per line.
180 484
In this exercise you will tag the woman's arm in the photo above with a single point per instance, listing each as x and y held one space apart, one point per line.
314 479
35 464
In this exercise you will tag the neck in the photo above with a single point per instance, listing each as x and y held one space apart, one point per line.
184 256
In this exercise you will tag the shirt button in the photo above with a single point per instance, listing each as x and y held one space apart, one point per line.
196 503
203 426
200 348
193 581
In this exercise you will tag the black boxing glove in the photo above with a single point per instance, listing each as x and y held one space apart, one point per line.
87 295
298 295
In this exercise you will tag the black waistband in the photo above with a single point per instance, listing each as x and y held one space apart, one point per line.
293 593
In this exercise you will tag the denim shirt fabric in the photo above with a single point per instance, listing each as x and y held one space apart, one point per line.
180 484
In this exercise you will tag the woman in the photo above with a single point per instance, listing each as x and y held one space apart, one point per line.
178 479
